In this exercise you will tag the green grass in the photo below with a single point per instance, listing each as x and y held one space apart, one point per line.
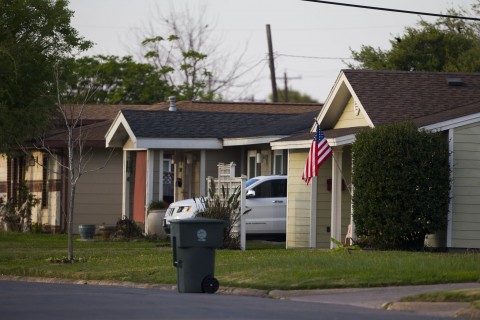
262 266
464 295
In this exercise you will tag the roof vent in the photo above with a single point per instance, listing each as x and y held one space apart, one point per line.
455 82
173 106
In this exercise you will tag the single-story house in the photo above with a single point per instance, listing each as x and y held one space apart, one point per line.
191 144
359 99
140 167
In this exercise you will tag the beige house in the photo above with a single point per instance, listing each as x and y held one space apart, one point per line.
446 102
189 144
169 167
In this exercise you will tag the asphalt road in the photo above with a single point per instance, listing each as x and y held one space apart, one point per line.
27 300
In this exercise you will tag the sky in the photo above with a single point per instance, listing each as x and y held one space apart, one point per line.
311 41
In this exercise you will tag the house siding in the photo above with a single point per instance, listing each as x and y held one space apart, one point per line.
298 202
324 205
349 119
99 195
466 187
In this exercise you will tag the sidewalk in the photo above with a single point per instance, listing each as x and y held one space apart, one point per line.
387 297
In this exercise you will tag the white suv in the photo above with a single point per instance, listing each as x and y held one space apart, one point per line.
266 197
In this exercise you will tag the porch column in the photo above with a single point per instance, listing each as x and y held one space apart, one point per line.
336 214
149 180
160 178
125 174
313 213
203 177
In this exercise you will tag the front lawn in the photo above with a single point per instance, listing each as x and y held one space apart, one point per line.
261 266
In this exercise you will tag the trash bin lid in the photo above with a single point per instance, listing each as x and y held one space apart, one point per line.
198 220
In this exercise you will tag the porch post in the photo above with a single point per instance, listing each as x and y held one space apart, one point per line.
336 214
149 181
203 177
313 213
160 178
124 184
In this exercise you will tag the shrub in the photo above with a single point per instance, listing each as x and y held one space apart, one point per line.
127 228
157 205
401 178
16 213
224 206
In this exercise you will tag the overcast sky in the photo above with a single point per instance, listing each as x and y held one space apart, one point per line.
309 39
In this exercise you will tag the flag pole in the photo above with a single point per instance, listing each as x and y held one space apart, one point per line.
338 166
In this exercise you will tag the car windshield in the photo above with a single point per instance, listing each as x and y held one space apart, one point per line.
250 182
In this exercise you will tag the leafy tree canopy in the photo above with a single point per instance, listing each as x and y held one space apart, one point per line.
114 80
448 45
34 37
294 97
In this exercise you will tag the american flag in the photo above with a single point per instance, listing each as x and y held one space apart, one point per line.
319 152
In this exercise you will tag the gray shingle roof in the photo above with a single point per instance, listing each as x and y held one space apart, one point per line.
179 124
390 96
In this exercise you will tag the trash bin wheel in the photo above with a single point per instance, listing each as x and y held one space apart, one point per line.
210 284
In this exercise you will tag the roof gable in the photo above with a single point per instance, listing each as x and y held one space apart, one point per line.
390 96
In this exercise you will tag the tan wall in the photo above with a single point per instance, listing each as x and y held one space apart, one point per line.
324 205
99 194
349 119
298 201
466 187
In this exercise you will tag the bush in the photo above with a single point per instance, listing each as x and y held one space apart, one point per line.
401 178
127 228
16 213
224 206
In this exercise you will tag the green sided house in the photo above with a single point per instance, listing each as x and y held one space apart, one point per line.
359 99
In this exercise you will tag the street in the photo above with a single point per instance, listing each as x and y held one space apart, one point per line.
26 300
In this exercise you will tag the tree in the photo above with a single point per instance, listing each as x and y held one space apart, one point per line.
294 97
448 45
401 178
114 80
68 125
189 58
34 37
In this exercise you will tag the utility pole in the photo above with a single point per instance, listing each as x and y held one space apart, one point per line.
285 81
272 66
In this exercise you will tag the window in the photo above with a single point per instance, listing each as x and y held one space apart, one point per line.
272 189
252 165
278 166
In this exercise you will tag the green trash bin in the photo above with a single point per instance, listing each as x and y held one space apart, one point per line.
194 241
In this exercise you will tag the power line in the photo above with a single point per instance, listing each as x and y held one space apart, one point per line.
312 57
394 10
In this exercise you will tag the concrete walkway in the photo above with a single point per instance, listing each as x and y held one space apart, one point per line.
387 297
